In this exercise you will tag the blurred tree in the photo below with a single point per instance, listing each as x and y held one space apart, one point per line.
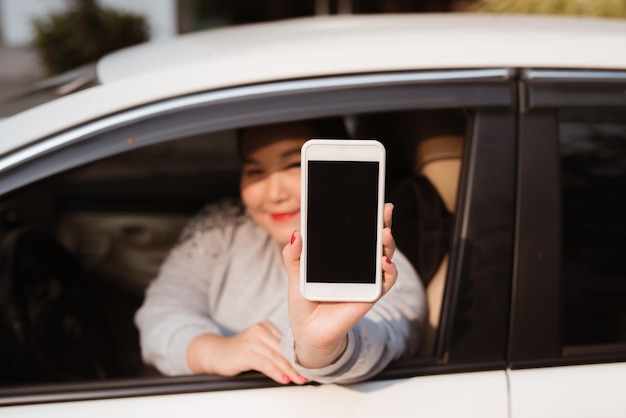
83 33
603 8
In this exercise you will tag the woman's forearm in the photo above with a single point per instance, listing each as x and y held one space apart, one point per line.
202 352
313 357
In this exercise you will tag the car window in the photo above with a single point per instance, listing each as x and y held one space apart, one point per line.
112 204
568 286
592 150
115 220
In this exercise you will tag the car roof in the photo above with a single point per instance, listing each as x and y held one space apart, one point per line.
367 43
323 46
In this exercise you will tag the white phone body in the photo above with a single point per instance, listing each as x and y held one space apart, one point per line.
341 219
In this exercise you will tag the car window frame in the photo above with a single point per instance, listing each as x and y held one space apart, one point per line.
491 91
482 251
535 318
133 128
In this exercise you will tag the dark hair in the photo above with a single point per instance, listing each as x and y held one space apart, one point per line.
309 128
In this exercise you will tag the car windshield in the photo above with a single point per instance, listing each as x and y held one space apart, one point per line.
49 89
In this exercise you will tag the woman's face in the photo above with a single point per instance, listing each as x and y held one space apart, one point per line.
270 181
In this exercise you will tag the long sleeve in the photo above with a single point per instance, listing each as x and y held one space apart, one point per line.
391 330
225 275
175 310
179 304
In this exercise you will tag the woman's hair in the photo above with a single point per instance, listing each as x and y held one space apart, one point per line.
309 128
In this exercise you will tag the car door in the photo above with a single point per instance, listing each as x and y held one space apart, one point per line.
463 372
568 337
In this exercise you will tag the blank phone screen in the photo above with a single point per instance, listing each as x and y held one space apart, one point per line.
342 221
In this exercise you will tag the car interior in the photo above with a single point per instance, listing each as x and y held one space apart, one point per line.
79 249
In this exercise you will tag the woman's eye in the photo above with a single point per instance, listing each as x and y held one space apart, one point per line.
294 165
253 172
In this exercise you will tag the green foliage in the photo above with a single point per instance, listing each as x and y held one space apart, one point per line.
601 8
83 33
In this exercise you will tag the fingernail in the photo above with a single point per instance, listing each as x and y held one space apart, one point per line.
302 379
293 238
286 379
387 260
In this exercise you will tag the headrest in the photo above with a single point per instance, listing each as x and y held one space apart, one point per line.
438 148
439 159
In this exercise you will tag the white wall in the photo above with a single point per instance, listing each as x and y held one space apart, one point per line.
16 15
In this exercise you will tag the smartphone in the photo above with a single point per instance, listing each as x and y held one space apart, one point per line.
341 219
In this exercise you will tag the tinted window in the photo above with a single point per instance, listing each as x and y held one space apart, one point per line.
593 269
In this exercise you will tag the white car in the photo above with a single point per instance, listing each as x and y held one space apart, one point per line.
517 123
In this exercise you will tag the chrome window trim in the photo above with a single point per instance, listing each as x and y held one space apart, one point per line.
574 75
370 80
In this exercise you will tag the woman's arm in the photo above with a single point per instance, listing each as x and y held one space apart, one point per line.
174 313
177 330
255 348
351 341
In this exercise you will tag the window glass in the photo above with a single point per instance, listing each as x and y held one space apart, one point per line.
593 268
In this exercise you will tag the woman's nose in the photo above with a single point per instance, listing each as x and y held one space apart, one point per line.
276 190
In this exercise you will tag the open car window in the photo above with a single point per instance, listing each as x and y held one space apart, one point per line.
100 214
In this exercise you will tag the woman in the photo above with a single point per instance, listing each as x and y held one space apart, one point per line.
227 299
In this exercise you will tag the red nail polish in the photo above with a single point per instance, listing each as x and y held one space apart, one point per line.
293 238
387 260
286 379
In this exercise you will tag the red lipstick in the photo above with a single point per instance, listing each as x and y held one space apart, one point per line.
284 216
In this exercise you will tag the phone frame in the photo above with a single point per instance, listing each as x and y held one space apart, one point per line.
341 150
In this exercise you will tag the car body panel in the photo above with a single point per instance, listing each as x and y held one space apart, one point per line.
482 394
592 390
318 46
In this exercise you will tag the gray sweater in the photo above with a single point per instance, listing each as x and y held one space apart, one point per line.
226 274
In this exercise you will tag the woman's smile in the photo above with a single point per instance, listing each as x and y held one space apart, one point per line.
284 216
270 181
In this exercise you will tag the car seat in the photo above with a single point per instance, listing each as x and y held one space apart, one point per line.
439 160
424 151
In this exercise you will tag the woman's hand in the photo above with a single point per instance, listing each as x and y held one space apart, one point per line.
320 328
255 348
